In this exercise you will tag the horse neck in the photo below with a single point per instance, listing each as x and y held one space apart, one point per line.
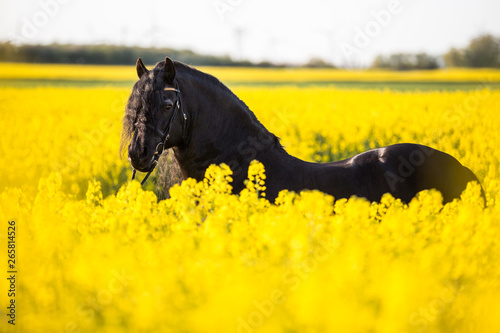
222 128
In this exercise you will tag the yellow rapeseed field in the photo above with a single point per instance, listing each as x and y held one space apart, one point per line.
250 75
95 252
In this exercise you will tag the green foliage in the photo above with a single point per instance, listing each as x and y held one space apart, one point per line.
454 58
482 52
406 61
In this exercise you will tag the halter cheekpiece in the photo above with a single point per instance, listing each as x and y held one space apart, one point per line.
165 135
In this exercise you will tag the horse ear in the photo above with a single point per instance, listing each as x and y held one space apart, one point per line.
169 70
141 69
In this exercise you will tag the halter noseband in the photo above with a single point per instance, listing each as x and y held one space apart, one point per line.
165 135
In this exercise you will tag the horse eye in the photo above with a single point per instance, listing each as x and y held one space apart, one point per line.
168 106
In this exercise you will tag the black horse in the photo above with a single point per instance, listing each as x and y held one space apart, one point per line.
176 106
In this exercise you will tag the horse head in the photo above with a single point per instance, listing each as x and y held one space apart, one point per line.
153 118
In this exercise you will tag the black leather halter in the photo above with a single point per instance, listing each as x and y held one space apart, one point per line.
165 135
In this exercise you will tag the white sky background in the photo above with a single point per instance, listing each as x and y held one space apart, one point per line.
280 31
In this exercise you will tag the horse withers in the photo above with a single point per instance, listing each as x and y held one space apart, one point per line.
176 106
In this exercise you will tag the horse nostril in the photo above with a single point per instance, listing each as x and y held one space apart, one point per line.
137 153
145 152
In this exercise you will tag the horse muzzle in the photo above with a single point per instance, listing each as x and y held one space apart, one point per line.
143 161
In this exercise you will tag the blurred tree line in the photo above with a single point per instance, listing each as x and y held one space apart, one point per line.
125 55
406 61
483 51
109 55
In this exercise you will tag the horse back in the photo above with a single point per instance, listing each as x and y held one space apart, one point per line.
402 170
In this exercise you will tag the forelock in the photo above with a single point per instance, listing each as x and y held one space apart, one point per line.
143 101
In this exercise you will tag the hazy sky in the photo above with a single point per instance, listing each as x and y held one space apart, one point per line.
343 32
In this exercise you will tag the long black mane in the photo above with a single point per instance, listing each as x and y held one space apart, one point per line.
138 99
223 90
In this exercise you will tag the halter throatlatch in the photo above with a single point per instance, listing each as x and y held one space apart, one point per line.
165 135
